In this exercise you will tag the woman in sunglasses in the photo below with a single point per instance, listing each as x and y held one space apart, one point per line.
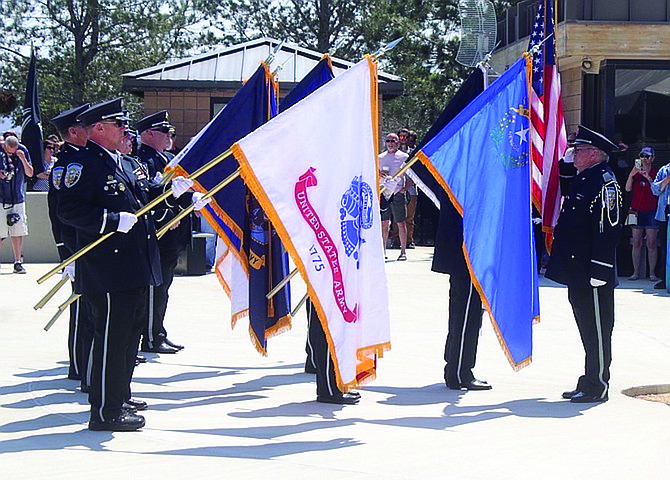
50 146
644 205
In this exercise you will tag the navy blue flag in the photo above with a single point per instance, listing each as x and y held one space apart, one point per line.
481 158
245 267
321 74
31 125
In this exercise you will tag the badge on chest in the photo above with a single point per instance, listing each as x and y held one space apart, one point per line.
114 186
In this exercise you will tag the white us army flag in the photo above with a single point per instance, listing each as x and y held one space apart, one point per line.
314 170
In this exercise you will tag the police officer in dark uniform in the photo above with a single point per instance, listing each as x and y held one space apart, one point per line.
465 305
98 195
80 336
583 258
155 134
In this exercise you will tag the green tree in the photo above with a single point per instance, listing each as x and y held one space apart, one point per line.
425 59
85 45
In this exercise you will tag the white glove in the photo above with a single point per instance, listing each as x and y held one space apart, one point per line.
180 185
597 283
198 202
126 222
158 177
69 271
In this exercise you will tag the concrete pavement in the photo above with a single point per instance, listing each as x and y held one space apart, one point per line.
219 410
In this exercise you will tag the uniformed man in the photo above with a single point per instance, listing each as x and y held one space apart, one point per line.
155 136
98 195
80 336
583 258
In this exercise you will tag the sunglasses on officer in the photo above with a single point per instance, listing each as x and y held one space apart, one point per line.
118 123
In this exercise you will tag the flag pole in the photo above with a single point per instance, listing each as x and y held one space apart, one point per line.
137 214
299 305
73 298
281 284
229 179
381 51
51 292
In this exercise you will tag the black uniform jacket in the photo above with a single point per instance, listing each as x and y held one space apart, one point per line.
588 230
64 235
94 189
176 239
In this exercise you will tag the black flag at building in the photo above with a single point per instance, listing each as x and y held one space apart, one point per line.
31 126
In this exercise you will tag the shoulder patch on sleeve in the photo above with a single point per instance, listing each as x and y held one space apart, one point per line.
611 197
57 177
72 174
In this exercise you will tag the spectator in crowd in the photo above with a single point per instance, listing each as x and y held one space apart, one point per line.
15 166
50 150
394 200
644 206
660 187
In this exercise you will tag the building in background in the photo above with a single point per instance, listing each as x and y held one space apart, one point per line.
194 89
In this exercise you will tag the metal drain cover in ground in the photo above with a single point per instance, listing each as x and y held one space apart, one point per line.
651 393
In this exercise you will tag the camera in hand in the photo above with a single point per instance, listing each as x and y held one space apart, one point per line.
13 218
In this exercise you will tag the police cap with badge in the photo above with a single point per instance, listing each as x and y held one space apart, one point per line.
68 118
586 136
105 111
610 195
155 121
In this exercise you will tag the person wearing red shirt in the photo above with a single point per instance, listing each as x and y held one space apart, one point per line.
644 204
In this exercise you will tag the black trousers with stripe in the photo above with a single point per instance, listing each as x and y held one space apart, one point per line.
594 312
326 381
79 342
118 319
465 320
154 330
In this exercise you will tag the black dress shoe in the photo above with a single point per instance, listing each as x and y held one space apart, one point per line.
140 359
473 384
341 399
354 394
170 343
160 348
124 422
660 285
84 388
582 397
128 408
569 395
138 404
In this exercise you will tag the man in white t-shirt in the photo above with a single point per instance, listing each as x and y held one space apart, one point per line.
394 198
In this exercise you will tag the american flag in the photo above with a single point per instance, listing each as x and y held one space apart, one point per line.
548 138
